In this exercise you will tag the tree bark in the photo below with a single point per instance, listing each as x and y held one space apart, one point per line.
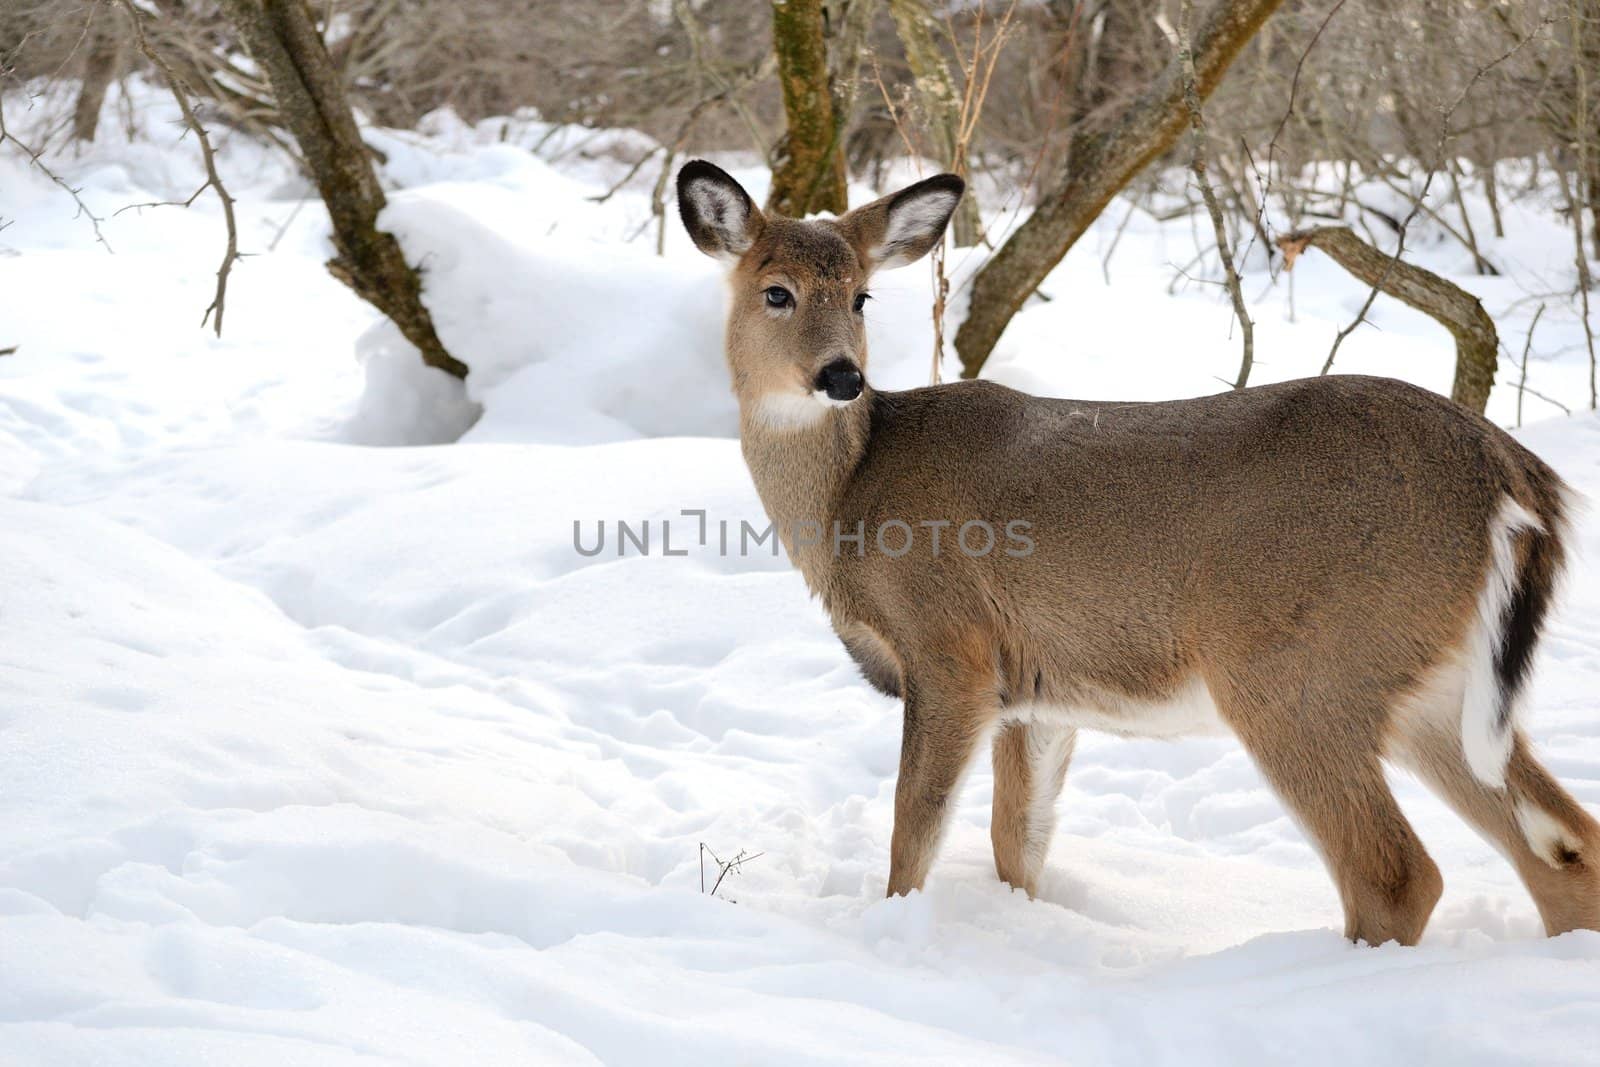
850 23
282 38
1098 166
808 174
936 91
1477 343
100 64
1593 183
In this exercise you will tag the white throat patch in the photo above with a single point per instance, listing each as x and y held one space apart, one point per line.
794 411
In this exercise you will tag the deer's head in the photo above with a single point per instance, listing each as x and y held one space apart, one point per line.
796 340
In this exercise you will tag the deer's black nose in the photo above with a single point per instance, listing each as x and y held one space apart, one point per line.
841 380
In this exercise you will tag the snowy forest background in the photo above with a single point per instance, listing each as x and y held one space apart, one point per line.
316 751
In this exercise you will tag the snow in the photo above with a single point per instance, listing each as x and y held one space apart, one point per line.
317 752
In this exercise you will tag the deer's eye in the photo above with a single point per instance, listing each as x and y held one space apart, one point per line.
779 297
861 301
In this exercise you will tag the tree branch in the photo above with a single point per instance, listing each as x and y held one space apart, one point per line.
44 168
1477 343
1098 166
1191 100
180 92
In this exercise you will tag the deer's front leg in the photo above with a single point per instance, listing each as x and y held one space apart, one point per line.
943 722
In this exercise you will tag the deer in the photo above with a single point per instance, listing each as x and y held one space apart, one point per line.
1342 572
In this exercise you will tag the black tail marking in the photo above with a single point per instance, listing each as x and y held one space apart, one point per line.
1525 615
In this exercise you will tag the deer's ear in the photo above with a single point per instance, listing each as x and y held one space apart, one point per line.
901 228
721 218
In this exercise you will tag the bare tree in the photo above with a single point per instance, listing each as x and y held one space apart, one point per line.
851 23
208 156
1197 164
1585 281
283 39
808 174
102 60
1098 166
1584 37
1336 115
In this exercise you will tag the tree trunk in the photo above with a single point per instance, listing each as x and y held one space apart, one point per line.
808 174
1477 343
1585 34
850 25
100 64
1098 166
936 91
1594 198
283 40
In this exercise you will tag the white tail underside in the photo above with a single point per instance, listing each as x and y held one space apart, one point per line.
1485 734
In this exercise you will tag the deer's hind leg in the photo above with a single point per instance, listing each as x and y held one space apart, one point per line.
1030 767
1321 756
1548 837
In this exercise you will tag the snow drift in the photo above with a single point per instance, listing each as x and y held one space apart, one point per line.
320 753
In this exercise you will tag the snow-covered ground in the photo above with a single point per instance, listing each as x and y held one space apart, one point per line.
318 752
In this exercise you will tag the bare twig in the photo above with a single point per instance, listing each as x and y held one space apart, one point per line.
1294 88
727 93
732 865
1427 183
1288 111
1527 346
979 75
272 245
941 295
1361 315
192 197
1469 236
1116 238
1552 401
213 179
1197 163
727 89
34 157
1483 265
896 115
626 178
1575 210
955 128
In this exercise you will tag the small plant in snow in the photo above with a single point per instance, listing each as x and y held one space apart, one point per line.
734 864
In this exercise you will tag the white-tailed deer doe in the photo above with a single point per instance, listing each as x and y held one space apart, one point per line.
1339 571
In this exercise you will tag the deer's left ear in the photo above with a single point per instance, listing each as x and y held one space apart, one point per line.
901 228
